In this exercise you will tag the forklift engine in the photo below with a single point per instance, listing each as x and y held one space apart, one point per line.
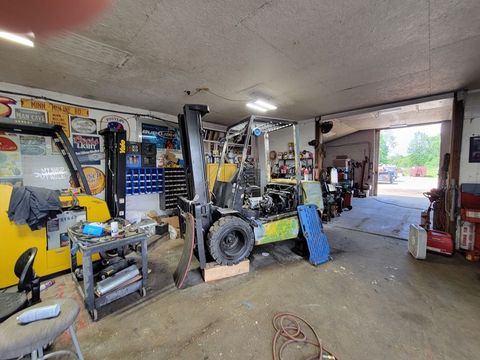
277 199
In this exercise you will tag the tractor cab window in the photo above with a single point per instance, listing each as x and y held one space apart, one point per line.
32 160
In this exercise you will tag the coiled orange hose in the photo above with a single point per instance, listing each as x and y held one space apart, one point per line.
289 328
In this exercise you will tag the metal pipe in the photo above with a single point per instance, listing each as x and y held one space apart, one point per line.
268 165
296 146
121 277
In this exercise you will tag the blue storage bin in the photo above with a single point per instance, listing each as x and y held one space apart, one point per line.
144 181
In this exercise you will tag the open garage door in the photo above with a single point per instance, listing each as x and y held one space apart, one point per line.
392 185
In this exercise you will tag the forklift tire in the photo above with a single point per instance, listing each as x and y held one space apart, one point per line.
230 240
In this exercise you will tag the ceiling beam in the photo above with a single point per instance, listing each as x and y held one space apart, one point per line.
414 101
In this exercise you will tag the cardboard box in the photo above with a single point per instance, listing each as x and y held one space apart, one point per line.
172 220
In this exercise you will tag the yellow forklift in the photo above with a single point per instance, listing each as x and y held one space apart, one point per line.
37 154
228 221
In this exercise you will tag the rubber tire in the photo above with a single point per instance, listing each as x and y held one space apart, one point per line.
221 228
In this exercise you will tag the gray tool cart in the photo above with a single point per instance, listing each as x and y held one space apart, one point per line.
107 288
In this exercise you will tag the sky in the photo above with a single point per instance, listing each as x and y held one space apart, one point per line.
403 135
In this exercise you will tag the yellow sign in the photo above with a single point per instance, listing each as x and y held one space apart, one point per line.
95 179
57 113
122 147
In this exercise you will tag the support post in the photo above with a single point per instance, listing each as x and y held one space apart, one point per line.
458 111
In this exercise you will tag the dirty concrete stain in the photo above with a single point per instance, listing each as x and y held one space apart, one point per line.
416 318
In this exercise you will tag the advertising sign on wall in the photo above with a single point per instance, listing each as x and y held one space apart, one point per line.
95 178
58 114
32 145
5 106
81 125
162 136
10 159
115 122
85 144
31 115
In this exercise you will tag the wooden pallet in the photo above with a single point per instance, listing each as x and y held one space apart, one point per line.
213 271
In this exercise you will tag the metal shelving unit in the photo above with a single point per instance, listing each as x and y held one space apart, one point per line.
304 162
175 184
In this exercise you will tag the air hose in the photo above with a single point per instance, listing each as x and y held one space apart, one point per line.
289 330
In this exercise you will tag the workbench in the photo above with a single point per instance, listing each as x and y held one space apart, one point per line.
87 250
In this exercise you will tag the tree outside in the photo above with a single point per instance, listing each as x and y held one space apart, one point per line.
422 150
387 142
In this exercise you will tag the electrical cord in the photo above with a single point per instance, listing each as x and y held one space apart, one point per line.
207 90
86 106
223 97
390 203
289 328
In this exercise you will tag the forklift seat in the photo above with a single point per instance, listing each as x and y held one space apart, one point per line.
12 302
223 191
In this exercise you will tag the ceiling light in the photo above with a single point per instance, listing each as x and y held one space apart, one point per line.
265 105
256 107
19 39
395 126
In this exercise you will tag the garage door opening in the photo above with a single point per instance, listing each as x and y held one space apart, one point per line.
403 149
409 161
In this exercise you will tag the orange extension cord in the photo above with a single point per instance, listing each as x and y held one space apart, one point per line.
288 327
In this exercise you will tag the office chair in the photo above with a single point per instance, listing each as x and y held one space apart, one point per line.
11 303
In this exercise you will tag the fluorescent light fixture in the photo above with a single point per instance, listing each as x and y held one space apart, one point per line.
19 39
256 107
265 104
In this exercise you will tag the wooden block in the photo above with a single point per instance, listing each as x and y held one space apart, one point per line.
214 271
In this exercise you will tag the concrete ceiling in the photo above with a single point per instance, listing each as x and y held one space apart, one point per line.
309 57
390 118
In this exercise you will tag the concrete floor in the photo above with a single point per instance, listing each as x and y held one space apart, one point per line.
388 215
410 186
373 301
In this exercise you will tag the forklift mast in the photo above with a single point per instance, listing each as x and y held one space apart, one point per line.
198 200
193 152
